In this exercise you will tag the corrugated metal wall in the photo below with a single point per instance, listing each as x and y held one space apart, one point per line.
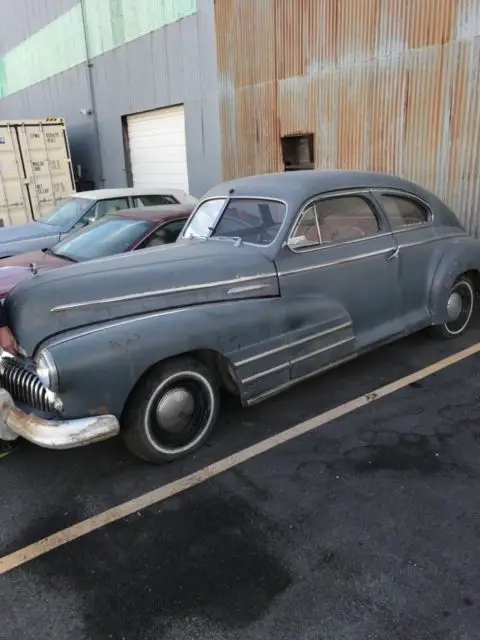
385 85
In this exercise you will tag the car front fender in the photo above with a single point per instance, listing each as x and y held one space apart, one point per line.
98 366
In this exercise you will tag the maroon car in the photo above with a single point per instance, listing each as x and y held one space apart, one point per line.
120 232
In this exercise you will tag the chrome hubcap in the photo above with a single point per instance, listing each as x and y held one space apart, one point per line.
175 409
454 305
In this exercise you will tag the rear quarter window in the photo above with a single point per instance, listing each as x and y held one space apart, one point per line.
155 200
403 212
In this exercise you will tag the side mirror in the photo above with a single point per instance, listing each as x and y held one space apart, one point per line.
298 242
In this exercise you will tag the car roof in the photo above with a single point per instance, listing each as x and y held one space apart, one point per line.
104 194
297 186
156 214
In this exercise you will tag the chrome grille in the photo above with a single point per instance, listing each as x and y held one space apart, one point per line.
24 385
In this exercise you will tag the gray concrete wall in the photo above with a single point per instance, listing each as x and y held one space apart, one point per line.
174 65
63 95
22 18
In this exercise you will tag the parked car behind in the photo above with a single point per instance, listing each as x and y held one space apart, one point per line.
119 232
274 279
79 211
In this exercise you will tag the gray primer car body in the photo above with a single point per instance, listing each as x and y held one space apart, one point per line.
270 316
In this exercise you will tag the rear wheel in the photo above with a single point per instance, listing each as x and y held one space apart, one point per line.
172 411
460 305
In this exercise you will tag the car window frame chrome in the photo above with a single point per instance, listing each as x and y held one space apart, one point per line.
362 192
228 198
377 192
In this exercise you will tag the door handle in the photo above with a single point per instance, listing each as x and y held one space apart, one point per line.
393 254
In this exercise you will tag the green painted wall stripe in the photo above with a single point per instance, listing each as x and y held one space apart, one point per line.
57 47
111 23
61 44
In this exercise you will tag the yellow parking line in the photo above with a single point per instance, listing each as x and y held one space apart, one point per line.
39 548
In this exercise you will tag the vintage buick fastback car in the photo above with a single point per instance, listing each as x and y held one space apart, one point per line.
273 279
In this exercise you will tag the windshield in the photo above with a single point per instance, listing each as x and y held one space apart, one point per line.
248 219
67 213
106 237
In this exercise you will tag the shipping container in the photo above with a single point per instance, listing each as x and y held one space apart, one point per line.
35 169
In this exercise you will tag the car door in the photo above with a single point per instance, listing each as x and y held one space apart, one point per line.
339 277
410 220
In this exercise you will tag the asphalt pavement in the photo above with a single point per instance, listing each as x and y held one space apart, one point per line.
366 528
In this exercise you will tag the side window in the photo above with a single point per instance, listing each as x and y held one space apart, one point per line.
107 206
306 233
403 212
154 200
335 220
164 235
345 218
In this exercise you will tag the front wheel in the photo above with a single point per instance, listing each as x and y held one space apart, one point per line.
172 411
460 305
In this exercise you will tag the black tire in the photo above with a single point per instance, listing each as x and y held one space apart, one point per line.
183 381
464 288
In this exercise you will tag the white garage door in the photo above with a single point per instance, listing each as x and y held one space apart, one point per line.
158 150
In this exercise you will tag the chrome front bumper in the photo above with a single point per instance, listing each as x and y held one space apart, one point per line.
53 434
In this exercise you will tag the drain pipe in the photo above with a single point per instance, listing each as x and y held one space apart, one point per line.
91 96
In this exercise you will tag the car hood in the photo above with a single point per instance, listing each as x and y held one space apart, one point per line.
17 268
184 273
27 232
10 276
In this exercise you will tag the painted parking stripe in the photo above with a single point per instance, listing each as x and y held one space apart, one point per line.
41 547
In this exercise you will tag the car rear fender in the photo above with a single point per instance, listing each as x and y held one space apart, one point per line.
458 257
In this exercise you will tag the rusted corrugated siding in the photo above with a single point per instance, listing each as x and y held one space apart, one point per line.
386 85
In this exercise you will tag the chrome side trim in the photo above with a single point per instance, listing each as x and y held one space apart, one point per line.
427 241
246 288
108 324
296 343
322 350
373 253
158 292
280 367
263 374
295 381
335 262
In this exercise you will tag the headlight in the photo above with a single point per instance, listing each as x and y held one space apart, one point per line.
46 370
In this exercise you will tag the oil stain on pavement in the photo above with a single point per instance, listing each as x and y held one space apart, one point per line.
207 557
408 452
